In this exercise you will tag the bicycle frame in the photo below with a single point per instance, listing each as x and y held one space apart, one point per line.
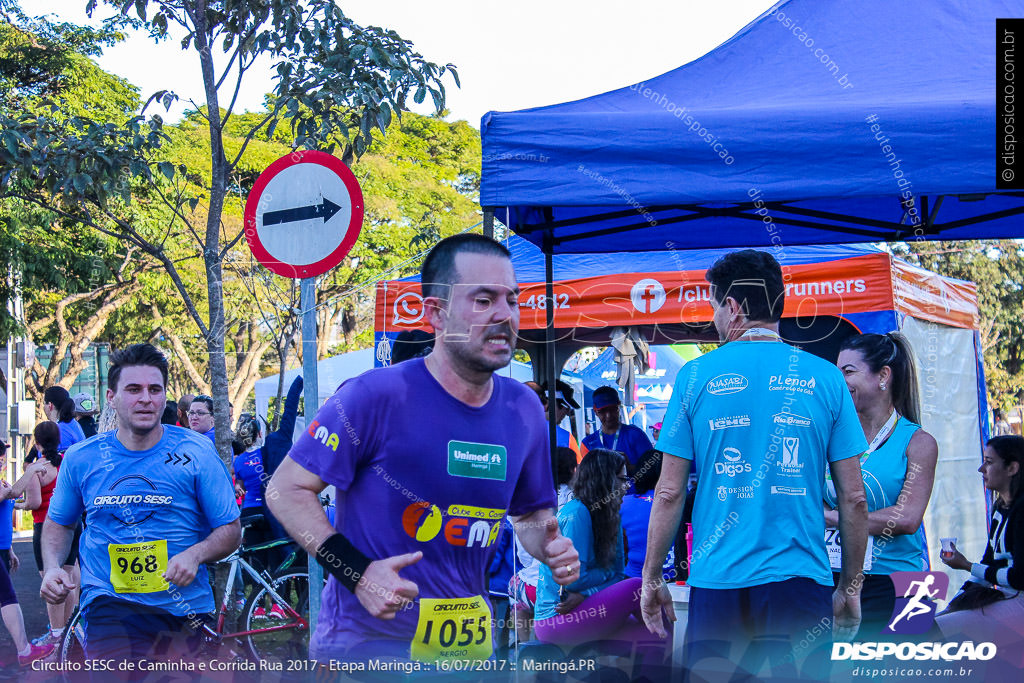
235 560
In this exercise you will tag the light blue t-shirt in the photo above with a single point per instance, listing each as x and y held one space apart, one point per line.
884 471
575 523
761 419
176 492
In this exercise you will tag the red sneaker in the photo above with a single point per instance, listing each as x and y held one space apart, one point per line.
36 653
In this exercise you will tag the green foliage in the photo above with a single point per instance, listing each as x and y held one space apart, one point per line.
997 267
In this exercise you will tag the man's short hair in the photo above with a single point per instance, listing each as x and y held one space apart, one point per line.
135 355
754 279
438 273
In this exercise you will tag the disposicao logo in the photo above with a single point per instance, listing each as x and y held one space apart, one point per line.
729 383
915 610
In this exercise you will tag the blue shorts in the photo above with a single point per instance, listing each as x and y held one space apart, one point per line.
781 622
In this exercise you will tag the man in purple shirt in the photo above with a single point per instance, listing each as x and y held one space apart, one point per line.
428 457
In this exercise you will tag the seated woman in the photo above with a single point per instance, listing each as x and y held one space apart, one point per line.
601 604
990 606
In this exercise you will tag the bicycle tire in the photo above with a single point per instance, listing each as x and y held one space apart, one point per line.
285 644
71 648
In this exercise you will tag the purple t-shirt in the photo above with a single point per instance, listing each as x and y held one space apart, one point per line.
417 469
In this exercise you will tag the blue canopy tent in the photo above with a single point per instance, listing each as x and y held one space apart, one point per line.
818 123
843 122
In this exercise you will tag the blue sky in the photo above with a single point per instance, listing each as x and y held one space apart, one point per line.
509 55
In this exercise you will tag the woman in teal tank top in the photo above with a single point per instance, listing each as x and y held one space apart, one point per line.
898 468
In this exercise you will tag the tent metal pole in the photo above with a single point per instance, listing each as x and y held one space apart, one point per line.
549 351
488 222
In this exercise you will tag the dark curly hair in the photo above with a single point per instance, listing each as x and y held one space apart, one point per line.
596 485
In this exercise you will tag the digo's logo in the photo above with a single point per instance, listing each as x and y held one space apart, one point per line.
734 464
647 295
915 610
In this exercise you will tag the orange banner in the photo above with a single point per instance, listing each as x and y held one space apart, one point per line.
925 295
854 285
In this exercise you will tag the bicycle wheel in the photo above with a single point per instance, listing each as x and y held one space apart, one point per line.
71 648
278 634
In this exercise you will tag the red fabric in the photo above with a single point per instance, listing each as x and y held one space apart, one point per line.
39 514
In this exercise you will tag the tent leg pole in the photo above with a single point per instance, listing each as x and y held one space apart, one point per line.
549 352
489 223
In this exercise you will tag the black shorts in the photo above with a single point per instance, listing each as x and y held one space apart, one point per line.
37 548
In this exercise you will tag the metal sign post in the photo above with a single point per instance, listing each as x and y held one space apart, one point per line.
302 217
311 393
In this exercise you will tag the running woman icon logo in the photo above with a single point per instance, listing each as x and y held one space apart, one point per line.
915 610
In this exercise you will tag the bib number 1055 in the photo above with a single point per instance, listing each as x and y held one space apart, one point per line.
451 629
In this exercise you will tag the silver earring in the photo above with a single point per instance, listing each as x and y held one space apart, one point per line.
881 385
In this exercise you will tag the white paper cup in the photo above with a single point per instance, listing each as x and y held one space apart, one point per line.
947 544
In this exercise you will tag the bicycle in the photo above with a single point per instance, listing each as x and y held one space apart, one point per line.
276 613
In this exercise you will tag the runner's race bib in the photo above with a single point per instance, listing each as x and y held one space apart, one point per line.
453 628
835 550
138 567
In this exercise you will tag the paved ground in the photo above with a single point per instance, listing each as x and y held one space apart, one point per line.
26 584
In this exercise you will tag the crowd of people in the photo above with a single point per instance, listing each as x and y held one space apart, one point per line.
448 505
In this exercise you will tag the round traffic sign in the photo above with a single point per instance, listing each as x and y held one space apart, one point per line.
303 214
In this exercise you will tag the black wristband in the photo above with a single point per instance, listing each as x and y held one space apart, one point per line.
342 560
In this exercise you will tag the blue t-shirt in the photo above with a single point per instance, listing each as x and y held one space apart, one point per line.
70 434
249 468
175 492
576 524
417 469
210 435
6 523
636 518
629 440
761 419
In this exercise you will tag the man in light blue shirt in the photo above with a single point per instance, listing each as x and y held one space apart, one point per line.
159 504
760 420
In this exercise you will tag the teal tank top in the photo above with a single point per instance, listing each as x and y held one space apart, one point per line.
884 472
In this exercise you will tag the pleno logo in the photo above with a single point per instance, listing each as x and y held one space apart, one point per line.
914 612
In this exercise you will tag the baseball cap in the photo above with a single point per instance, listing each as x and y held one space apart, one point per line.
84 403
563 393
604 397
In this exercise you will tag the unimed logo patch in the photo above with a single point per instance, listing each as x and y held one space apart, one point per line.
916 593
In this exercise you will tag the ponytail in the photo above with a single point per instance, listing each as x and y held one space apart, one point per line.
47 436
62 401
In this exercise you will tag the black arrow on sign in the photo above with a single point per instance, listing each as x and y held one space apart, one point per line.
325 210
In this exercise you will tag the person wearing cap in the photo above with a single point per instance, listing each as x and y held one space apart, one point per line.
85 408
565 403
613 435
656 430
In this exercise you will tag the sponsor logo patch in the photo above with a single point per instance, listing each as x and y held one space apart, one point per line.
729 422
734 464
787 419
729 383
477 460
798 384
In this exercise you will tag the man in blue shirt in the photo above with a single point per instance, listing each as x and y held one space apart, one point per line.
159 504
761 420
613 435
